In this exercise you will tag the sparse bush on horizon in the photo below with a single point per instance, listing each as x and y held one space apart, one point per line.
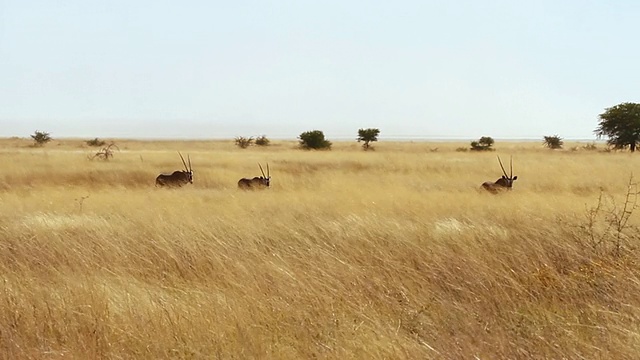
367 136
40 138
262 141
314 140
243 142
553 142
96 142
485 143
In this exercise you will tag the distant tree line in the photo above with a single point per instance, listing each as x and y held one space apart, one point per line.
620 124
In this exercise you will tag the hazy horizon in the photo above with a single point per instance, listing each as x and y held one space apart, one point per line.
381 138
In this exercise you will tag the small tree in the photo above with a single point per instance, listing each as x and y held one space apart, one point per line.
483 144
244 142
40 138
314 140
367 136
95 142
553 142
621 124
262 141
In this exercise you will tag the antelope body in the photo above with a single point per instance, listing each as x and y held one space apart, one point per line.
504 183
179 177
258 182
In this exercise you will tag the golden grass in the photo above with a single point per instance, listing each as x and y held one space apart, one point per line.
392 253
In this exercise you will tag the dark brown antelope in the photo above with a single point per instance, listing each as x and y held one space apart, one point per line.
177 178
504 183
258 182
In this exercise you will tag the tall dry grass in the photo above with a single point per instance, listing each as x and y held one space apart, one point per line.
392 253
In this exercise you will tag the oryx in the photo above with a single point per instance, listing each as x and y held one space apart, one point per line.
504 183
260 182
178 178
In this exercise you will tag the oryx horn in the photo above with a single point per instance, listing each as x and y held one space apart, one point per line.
183 162
262 171
511 167
504 172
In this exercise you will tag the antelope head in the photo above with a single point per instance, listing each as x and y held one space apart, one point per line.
507 180
265 179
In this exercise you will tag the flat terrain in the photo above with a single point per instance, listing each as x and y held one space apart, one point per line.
392 253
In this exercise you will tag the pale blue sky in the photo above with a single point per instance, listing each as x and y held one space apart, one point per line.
212 69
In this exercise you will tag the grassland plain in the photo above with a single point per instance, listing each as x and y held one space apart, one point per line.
392 253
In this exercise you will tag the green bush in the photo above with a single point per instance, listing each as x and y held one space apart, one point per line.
367 136
243 142
483 144
314 140
40 138
262 141
95 142
553 142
